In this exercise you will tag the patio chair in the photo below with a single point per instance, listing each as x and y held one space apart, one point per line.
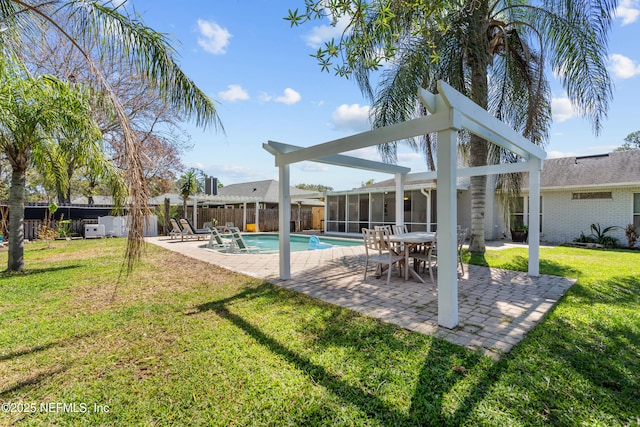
425 254
378 250
236 239
176 230
462 236
190 231
400 229
215 241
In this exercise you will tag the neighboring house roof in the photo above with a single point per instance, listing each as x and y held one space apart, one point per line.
389 185
97 200
267 192
257 191
616 168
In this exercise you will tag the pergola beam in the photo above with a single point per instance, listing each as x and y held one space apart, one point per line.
397 132
279 148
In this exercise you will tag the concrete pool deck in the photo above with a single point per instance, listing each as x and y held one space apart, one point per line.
496 307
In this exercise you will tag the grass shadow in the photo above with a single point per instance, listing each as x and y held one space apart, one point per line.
444 365
11 274
38 348
34 379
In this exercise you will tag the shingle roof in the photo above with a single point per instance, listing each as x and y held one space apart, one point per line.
618 167
267 191
262 191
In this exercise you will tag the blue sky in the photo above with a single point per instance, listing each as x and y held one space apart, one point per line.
248 59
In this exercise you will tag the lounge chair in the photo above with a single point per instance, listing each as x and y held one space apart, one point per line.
190 231
176 230
379 251
236 239
215 241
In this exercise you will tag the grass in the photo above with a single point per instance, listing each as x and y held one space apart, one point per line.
181 342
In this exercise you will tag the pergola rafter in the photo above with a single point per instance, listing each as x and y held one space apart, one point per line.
451 112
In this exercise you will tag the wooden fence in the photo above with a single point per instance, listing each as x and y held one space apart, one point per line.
268 217
32 227
268 220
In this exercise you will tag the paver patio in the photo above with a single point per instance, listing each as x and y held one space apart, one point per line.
496 307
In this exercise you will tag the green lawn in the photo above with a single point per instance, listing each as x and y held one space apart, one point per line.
185 343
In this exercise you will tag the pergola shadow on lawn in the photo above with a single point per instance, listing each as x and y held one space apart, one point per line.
451 112
444 366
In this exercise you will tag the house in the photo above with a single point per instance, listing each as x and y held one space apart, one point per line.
579 191
255 196
575 193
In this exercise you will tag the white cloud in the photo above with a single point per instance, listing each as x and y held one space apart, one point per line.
323 33
351 118
628 11
559 154
562 110
234 93
215 39
623 67
367 153
290 97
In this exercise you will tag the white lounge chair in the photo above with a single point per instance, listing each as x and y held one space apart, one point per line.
237 239
176 230
215 241
190 231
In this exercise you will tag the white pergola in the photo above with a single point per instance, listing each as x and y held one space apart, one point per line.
450 112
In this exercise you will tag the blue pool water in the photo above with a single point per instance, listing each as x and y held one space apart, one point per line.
269 243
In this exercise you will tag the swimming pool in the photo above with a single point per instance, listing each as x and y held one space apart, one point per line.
269 242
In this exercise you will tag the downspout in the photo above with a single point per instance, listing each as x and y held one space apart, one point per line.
427 194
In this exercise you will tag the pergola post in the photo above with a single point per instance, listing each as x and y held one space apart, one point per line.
399 199
447 230
534 216
244 216
284 218
257 217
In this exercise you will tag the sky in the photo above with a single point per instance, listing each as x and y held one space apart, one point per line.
266 86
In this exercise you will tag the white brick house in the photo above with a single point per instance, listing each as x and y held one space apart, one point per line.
575 193
579 191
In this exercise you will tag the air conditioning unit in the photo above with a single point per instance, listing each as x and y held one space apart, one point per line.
93 231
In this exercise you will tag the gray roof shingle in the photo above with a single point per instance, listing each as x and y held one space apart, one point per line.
618 167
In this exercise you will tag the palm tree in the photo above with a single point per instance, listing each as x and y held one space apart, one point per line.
190 183
118 35
32 111
494 52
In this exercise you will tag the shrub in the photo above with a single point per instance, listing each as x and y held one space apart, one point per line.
632 235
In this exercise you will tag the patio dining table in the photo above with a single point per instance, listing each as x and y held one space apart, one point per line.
410 241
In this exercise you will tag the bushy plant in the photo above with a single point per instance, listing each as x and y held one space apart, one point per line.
632 235
585 239
601 235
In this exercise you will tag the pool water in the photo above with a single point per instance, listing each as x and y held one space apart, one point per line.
269 243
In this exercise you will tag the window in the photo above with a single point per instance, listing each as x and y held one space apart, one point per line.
636 210
592 195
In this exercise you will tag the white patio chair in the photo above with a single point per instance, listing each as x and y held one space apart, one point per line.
462 236
379 250
400 229
425 254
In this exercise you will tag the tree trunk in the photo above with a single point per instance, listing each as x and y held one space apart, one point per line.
16 219
478 61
